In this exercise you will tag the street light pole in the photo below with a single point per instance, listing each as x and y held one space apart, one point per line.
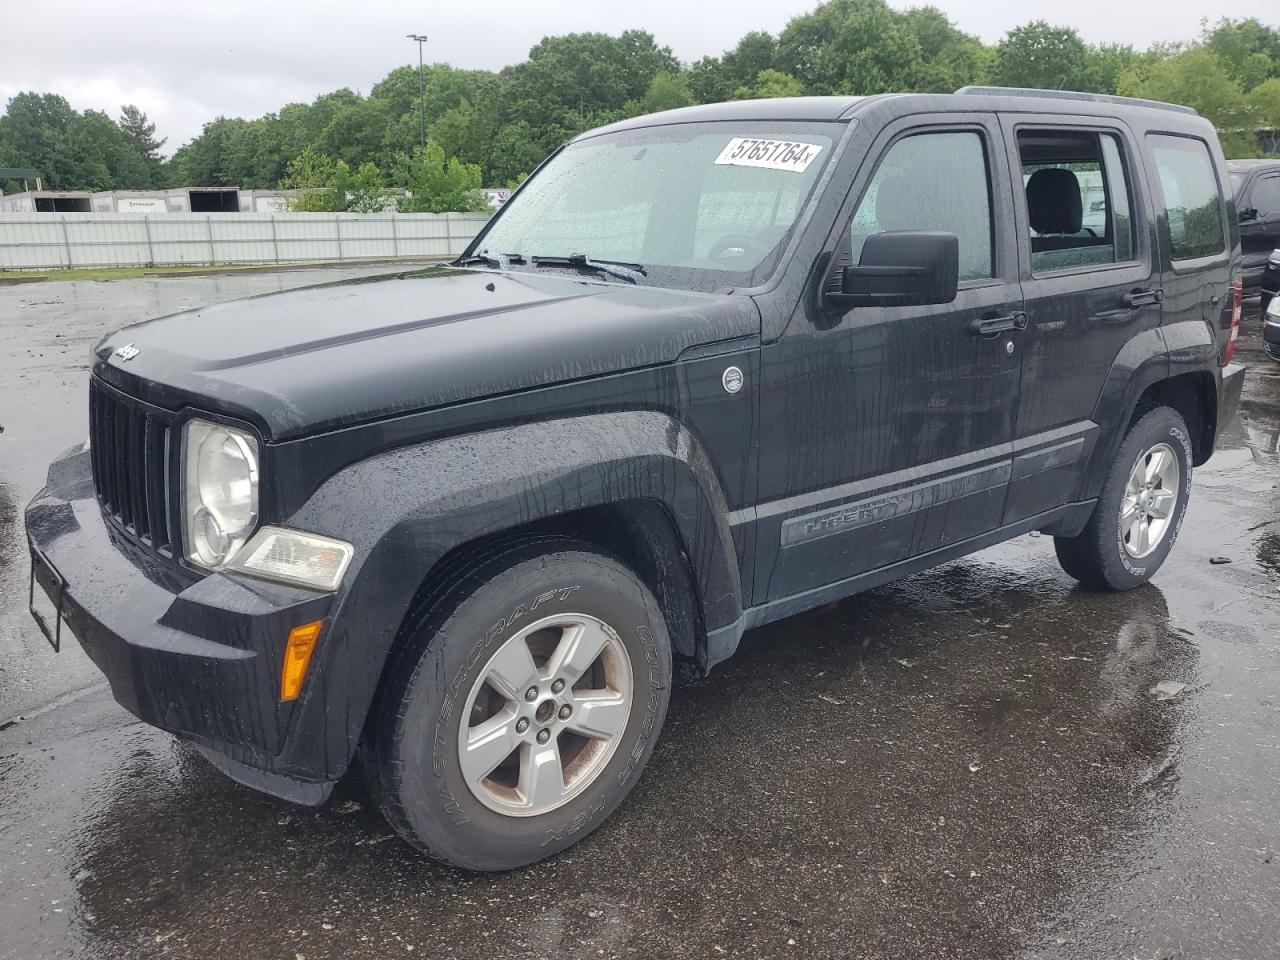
420 39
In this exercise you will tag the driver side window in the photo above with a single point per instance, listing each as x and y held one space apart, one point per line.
932 181
1266 198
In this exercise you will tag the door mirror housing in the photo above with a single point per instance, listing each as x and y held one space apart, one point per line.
1247 213
903 268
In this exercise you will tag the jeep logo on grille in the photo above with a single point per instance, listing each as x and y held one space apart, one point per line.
127 352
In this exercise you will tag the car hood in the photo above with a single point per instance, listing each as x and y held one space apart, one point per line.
334 354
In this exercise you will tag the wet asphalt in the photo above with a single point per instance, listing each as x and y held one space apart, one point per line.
969 763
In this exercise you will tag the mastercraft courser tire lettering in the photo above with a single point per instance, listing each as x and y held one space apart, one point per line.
1140 509
521 707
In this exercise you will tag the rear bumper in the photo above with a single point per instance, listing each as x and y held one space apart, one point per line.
199 658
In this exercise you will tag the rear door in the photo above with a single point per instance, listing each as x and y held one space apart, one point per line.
886 430
1196 241
1090 283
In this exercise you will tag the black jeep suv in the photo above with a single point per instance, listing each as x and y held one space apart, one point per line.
706 369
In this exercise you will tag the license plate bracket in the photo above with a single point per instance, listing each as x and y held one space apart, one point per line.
51 633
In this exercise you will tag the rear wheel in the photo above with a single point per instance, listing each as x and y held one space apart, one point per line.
521 711
1140 509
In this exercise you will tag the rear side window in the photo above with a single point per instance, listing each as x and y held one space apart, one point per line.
1192 204
932 181
1078 204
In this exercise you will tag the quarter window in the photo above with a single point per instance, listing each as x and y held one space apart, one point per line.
932 181
1192 205
1078 204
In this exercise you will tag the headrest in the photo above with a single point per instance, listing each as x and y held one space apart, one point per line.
1053 201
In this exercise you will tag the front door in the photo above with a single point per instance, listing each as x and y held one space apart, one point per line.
886 431
1091 287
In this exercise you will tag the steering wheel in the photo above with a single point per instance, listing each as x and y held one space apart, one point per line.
740 243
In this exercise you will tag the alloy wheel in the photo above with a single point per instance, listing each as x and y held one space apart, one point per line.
545 715
1150 498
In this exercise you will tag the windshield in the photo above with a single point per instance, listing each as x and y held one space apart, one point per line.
1237 181
697 206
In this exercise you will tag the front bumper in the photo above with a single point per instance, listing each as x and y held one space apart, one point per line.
200 658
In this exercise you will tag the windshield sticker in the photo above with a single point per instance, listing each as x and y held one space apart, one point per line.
771 154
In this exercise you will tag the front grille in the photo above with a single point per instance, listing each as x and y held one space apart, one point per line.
133 465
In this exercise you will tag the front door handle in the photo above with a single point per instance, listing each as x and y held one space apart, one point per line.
990 326
1143 298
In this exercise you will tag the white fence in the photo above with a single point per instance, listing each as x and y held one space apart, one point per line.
45 241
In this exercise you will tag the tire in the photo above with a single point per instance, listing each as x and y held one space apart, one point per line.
548 599
1108 553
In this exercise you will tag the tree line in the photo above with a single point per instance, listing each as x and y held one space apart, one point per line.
345 149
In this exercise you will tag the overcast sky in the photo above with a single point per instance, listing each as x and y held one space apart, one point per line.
185 63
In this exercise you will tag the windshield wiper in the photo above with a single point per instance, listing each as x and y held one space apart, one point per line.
499 261
632 272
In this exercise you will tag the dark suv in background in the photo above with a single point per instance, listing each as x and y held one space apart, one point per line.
706 369
1256 184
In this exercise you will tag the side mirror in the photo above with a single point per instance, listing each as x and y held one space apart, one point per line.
905 268
1247 213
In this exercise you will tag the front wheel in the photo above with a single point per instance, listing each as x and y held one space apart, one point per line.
1140 509
520 713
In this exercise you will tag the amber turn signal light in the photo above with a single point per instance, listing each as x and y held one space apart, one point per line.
297 656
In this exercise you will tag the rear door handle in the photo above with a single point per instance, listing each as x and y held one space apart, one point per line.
1143 298
990 326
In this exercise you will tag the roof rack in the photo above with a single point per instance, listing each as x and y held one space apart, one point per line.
1074 95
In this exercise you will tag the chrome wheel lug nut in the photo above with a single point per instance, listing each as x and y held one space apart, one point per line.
522 725
544 736
557 686
531 694
565 712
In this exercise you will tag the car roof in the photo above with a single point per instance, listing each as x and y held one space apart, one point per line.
1240 166
838 109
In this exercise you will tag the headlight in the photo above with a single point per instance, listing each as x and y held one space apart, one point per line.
221 471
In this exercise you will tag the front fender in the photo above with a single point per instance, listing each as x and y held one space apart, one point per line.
406 508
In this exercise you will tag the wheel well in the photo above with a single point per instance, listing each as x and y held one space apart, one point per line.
1195 397
640 533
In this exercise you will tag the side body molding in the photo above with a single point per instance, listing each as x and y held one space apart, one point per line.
406 508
